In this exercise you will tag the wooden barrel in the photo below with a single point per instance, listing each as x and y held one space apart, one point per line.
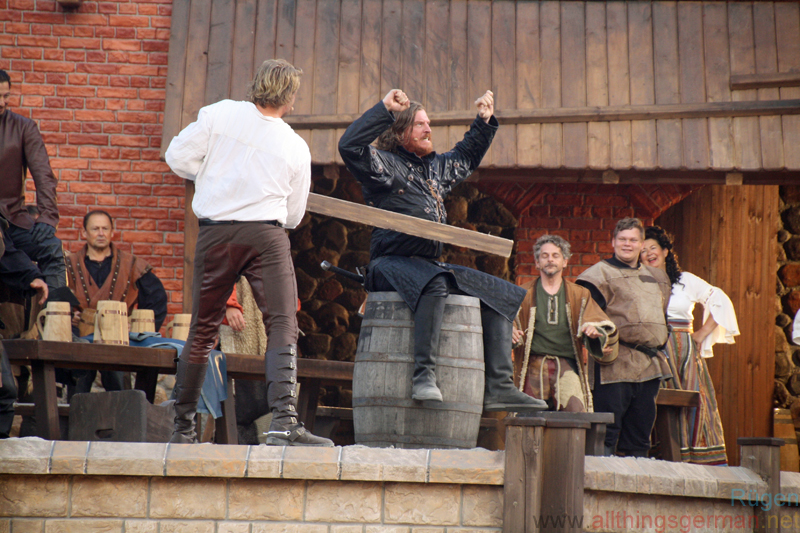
783 428
384 414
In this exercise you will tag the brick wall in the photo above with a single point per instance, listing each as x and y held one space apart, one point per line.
94 79
585 215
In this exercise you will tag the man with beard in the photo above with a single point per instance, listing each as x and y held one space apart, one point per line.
404 175
558 318
635 297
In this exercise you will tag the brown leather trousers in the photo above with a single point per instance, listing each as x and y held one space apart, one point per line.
259 252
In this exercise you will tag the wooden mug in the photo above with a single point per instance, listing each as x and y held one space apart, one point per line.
178 327
142 320
111 323
55 322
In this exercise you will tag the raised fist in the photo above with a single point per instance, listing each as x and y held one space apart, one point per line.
485 105
396 101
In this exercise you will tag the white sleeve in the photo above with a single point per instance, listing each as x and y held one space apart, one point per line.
796 330
188 149
717 305
301 185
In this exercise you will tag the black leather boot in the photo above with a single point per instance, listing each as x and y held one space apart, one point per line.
188 384
500 393
427 326
285 429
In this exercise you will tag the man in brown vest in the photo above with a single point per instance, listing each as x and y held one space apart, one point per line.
100 271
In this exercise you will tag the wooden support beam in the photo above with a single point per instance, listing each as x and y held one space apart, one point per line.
742 82
580 114
372 216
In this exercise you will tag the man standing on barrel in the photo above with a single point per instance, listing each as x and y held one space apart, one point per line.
252 176
404 175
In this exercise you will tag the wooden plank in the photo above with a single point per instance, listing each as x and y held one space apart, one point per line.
514 490
747 135
326 76
369 91
618 81
196 61
44 387
529 93
787 30
413 50
573 80
459 98
220 52
176 72
304 46
503 81
767 64
765 79
597 83
266 32
347 97
479 42
437 44
285 30
243 48
669 132
391 51
373 216
692 82
550 46
644 150
585 114
715 36
678 398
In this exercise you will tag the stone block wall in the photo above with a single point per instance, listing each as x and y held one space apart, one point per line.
79 487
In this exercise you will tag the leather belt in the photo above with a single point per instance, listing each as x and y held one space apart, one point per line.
652 352
209 222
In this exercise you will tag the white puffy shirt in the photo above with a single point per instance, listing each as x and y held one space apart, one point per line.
796 331
245 166
691 290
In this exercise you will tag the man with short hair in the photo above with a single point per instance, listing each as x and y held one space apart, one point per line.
26 240
404 175
558 319
100 271
252 176
635 297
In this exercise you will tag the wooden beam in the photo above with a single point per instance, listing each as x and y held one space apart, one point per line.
742 82
580 114
380 218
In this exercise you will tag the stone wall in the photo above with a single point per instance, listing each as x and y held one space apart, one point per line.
65 487
787 302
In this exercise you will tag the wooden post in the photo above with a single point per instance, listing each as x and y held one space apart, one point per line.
44 391
523 475
563 457
763 456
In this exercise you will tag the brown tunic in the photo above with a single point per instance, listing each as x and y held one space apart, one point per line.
636 301
581 310
120 285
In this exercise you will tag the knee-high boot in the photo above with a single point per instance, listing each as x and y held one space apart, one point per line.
188 384
500 393
427 326
285 429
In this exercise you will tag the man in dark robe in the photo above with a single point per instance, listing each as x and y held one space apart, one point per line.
404 175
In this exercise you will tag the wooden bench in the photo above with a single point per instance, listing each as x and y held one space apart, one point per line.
669 404
44 356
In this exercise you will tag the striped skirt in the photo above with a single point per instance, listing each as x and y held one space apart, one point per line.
702 438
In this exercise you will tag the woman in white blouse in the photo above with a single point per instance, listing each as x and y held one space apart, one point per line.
702 439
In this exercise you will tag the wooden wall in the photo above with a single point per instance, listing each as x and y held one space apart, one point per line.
579 85
727 236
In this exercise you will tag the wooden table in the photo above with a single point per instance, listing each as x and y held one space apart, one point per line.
44 356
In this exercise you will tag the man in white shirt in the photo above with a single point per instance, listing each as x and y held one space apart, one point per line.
252 176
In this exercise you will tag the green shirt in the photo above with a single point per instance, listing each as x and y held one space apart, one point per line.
551 335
